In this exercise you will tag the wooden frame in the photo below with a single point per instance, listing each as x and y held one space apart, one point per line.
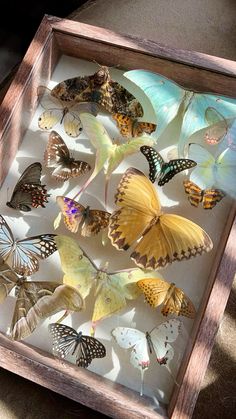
190 69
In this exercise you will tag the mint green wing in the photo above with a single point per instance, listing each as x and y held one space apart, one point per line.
194 118
203 174
100 140
165 95
225 173
78 269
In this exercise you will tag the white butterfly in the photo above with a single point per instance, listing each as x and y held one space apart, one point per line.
216 171
156 341
58 111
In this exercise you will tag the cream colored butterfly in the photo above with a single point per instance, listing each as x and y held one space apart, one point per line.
111 290
58 111
142 344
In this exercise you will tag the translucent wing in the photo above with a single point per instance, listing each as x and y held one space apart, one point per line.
128 338
194 118
164 95
79 270
48 119
218 126
39 300
161 336
27 252
172 238
58 156
225 172
72 124
208 197
203 174
130 127
6 239
29 192
129 222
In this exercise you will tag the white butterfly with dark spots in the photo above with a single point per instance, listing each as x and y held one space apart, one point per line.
57 155
156 341
162 171
67 341
25 254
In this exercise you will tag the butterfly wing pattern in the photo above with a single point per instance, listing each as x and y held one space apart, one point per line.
208 197
162 171
58 156
25 253
67 341
76 215
161 238
166 98
29 192
130 127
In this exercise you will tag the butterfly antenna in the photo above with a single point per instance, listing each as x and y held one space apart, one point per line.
67 312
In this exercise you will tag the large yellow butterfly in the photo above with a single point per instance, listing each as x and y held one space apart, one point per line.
175 301
111 290
160 238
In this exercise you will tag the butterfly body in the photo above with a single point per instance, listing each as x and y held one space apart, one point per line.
101 89
77 216
208 197
29 192
130 127
58 156
160 170
66 340
157 239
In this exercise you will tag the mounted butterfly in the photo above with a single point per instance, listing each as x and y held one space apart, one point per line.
130 127
167 98
157 239
29 192
220 130
156 341
75 215
25 254
162 171
67 341
57 155
35 300
208 197
99 88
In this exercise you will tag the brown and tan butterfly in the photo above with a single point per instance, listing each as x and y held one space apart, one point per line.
57 155
101 89
174 300
35 301
76 216
130 127
208 197
157 239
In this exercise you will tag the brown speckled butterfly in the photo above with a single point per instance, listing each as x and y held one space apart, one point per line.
35 301
174 300
66 340
208 197
57 155
130 127
28 191
157 238
101 89
77 216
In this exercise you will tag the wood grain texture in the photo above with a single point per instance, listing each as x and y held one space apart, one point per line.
206 325
54 37
76 383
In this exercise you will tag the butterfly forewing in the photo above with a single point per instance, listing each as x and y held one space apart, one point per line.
208 197
155 162
91 348
65 339
130 127
6 239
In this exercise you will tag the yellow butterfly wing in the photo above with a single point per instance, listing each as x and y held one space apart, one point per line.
124 124
154 289
72 124
177 302
79 270
72 213
172 238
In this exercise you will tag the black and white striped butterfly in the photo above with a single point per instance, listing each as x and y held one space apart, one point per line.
24 254
67 341
28 191
160 170
57 155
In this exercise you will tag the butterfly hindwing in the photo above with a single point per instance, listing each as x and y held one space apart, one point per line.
208 197
130 127
29 192
57 155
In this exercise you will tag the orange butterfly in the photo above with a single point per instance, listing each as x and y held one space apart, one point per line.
130 127
158 239
174 300
208 197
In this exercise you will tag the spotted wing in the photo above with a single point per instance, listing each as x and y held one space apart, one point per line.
65 339
89 349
